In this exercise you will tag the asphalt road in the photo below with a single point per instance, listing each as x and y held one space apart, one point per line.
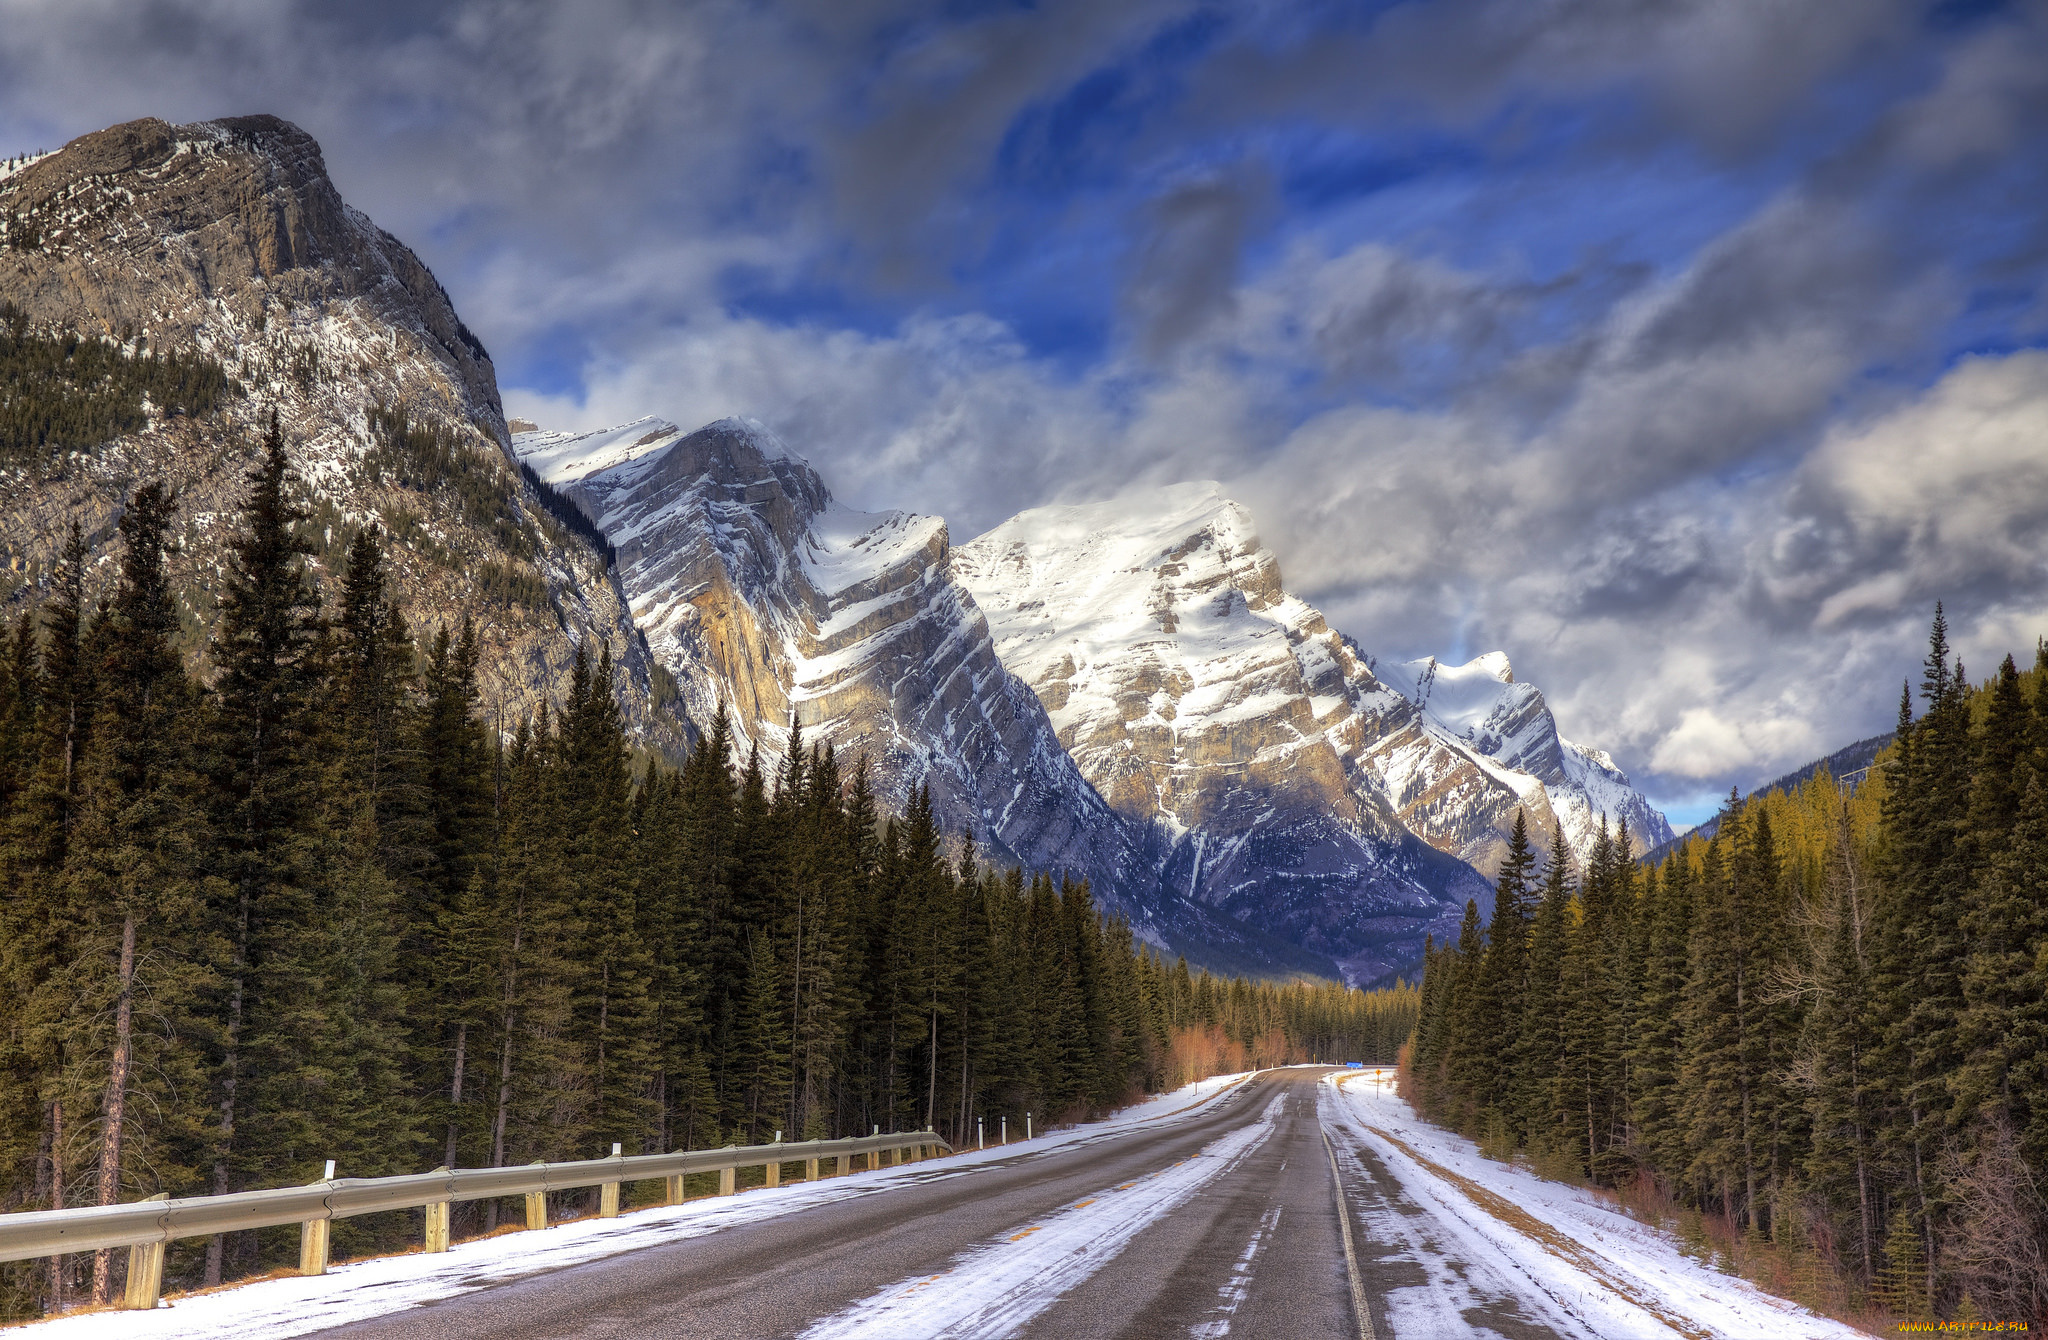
1222 1222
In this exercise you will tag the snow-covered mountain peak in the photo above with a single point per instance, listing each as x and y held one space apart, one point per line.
761 595
1481 708
756 434
563 458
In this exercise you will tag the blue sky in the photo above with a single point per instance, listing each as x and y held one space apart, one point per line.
1687 352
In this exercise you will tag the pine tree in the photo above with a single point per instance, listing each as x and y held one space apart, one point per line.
1503 980
265 651
1464 1004
1660 1040
133 860
1835 1053
1539 1049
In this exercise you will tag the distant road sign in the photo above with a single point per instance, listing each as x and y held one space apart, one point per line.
1354 1065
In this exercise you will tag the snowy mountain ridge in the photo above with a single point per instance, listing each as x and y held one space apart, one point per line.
761 595
1507 727
1195 691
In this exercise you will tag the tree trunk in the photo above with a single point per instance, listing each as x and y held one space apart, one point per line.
230 1063
455 1090
931 1099
504 1061
57 1264
117 1107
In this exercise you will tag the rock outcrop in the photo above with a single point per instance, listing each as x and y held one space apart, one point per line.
228 238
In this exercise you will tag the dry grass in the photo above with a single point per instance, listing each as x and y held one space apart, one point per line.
1550 1240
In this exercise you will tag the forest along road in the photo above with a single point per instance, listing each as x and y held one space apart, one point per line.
1221 1222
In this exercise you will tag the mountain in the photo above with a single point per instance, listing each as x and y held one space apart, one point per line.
227 241
1285 781
1220 713
1506 728
759 594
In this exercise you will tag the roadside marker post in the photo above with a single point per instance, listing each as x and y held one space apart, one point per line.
608 1194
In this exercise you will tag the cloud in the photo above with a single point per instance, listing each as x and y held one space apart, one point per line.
1724 72
1703 744
1188 263
1943 497
1645 341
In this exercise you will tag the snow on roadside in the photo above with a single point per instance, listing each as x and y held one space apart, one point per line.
1615 1275
358 1290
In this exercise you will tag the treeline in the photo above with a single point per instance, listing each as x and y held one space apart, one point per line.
1827 1027
69 392
318 907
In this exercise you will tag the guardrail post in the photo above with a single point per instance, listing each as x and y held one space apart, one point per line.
314 1236
145 1276
145 1271
313 1239
728 1181
675 1189
811 1169
537 1202
774 1175
438 1226
608 1196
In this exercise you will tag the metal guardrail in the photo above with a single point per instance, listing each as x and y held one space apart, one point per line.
145 1226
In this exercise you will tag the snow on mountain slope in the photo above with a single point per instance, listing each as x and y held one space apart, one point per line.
1201 699
759 593
1197 694
1480 707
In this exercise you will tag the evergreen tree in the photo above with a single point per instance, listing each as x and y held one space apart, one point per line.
1540 1045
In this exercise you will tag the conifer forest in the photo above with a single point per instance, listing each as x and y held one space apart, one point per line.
1824 1028
298 900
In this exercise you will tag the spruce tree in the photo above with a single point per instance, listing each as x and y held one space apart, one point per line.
1504 977
1540 1044
133 865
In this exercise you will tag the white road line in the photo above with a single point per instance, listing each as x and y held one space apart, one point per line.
998 1287
1358 1303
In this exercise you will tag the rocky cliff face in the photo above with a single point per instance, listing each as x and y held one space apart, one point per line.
1290 783
228 238
758 593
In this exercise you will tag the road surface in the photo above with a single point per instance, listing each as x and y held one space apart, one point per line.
1218 1218
1219 1223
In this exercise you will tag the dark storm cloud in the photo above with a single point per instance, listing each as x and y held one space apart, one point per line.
1187 266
